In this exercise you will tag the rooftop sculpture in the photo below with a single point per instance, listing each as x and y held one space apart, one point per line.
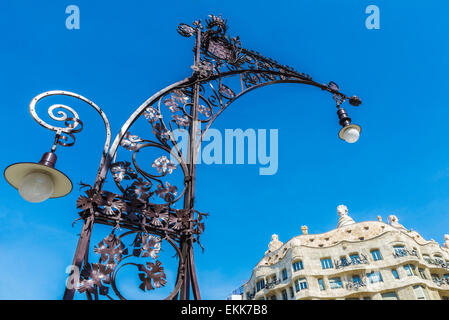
344 220
274 244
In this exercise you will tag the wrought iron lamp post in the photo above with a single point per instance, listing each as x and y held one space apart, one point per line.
145 205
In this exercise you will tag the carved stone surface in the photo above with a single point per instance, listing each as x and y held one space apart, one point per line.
305 230
394 222
344 218
446 241
274 244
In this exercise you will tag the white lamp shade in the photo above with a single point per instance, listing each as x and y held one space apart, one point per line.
15 174
350 133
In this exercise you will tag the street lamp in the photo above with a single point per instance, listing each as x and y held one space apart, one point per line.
148 206
37 182
350 132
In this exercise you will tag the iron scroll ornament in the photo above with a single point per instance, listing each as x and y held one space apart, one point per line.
147 203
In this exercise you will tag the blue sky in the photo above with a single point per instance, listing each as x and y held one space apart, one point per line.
126 51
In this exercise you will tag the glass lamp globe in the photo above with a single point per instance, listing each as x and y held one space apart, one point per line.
350 133
36 187
37 182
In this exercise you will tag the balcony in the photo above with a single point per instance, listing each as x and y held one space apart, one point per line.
439 282
342 263
272 284
356 285
437 262
250 296
398 253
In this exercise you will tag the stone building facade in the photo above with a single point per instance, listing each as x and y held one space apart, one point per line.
370 260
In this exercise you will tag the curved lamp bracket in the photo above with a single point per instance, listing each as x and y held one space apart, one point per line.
72 124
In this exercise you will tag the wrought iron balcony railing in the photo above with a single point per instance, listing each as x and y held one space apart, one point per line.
272 284
342 263
250 296
355 285
439 282
438 262
397 253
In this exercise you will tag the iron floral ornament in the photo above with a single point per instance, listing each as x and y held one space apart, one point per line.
154 203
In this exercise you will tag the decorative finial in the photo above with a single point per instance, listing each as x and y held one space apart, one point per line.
446 241
216 21
305 230
274 244
344 220
394 222
379 218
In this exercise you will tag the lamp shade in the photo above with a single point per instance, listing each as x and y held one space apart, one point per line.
16 173
346 129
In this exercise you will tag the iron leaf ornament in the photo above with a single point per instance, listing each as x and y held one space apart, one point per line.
98 278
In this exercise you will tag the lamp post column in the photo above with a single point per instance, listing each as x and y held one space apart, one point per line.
190 280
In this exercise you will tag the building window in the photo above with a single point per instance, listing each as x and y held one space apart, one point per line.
260 285
344 261
426 257
395 273
300 284
444 298
356 279
399 251
321 284
355 259
438 259
376 255
335 283
326 263
284 295
420 292
284 274
390 296
415 250
297 265
436 279
273 297
292 293
422 273
375 277
410 270
367 298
